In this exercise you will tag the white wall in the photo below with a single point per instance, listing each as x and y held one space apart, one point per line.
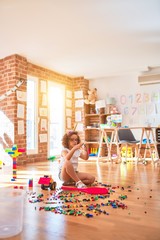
115 85
139 105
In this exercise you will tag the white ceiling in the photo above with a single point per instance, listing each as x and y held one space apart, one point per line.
90 38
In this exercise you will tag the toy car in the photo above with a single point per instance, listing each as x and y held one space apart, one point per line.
47 182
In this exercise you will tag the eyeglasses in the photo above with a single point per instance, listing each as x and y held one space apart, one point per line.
73 139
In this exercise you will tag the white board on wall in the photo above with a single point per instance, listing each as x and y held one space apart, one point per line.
140 108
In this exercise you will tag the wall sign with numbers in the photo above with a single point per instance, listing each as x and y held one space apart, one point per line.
140 109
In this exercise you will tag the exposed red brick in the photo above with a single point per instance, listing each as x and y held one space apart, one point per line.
16 67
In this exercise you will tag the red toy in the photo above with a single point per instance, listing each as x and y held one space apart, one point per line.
90 190
47 182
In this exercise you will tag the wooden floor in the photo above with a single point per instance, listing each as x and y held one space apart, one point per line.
140 220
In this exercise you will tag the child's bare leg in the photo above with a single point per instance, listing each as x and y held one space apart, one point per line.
86 178
68 172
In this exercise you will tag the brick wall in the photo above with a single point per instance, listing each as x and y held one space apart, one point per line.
12 69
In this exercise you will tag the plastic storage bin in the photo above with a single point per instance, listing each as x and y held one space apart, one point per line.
11 212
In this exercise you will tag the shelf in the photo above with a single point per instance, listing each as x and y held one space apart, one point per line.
96 114
92 121
91 142
105 114
92 115
92 128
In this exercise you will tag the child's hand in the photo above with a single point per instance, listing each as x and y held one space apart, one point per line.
78 146
84 146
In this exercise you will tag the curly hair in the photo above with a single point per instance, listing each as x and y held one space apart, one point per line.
67 136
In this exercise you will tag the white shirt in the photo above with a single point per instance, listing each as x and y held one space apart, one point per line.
74 159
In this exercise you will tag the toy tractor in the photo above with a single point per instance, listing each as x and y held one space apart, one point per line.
47 182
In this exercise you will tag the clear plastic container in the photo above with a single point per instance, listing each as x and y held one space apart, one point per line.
11 211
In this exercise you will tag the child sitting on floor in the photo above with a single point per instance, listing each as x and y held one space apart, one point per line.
73 149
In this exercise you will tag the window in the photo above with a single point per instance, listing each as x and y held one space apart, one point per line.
56 100
32 115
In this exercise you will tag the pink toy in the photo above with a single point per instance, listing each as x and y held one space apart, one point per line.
47 182
90 190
